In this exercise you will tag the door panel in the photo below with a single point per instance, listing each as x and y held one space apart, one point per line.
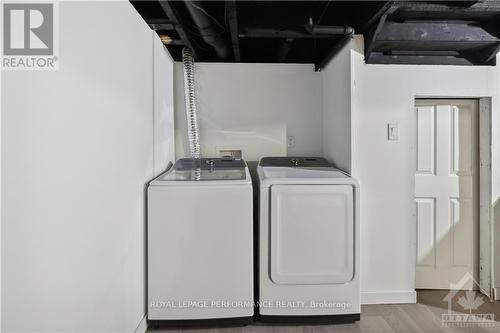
426 221
312 234
446 192
426 149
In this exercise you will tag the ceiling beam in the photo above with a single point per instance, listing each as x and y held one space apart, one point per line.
372 33
232 18
379 58
493 29
175 19
486 56
477 6
491 57
427 31
395 41
482 10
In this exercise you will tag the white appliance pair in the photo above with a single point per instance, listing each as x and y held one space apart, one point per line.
200 242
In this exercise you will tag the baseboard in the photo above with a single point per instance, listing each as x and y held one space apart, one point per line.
143 325
496 294
199 323
388 297
313 319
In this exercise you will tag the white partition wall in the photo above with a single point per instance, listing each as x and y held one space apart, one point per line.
337 131
164 145
78 148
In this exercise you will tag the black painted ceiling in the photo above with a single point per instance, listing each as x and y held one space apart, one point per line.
395 32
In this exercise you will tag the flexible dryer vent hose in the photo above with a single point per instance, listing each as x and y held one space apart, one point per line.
189 98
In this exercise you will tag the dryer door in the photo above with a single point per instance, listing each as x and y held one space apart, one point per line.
312 234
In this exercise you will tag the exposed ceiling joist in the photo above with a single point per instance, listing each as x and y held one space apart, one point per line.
371 34
432 32
487 56
450 6
232 18
425 32
171 14
483 10
379 58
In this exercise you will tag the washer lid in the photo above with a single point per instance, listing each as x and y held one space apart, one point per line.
290 161
288 173
202 169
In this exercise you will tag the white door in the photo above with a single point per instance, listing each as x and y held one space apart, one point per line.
446 189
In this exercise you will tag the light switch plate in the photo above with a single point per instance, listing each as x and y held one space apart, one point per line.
392 132
291 141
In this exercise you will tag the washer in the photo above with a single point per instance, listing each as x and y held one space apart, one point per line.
308 241
200 241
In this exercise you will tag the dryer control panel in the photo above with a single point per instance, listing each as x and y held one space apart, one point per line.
290 161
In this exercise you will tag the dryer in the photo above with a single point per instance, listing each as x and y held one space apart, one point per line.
200 241
308 241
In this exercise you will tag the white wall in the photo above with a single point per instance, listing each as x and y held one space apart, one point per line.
337 109
163 107
385 94
78 147
255 106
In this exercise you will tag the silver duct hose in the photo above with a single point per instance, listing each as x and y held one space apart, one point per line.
189 98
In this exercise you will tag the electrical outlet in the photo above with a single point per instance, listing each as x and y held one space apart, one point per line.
291 142
234 152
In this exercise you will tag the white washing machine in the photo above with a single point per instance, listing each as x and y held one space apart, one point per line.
308 241
200 243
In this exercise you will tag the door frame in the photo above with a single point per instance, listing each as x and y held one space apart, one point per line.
485 227
485 198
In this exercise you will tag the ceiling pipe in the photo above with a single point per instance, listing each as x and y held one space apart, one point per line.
346 31
262 32
310 31
210 30
328 29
